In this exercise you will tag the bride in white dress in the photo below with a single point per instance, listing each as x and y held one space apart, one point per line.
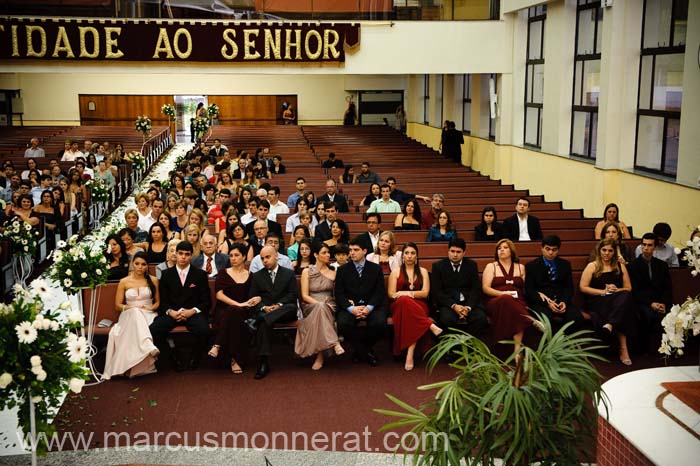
130 348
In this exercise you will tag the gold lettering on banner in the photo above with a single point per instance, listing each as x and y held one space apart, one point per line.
229 36
31 52
249 44
275 44
163 45
319 45
176 42
111 46
95 42
15 44
289 44
62 44
328 45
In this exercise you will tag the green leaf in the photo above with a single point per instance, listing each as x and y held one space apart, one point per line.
152 403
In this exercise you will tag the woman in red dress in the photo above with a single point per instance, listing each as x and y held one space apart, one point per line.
409 287
503 283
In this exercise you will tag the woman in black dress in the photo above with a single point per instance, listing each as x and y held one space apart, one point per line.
489 229
117 258
409 218
607 287
48 211
156 246
374 194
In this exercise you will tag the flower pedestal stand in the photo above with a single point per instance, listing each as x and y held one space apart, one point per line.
32 428
22 266
89 333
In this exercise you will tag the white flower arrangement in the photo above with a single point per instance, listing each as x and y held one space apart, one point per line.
683 319
137 160
168 110
143 125
22 237
98 190
213 110
201 125
86 256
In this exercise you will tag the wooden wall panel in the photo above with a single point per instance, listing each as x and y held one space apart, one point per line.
239 110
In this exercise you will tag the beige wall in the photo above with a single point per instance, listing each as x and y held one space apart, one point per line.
689 161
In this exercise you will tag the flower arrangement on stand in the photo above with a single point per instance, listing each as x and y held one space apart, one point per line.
136 159
212 112
99 192
23 244
683 319
40 359
168 110
201 125
143 125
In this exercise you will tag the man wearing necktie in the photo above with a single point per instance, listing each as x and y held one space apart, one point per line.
360 294
185 300
549 287
209 260
277 289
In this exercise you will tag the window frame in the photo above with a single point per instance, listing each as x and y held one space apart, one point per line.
426 99
535 14
466 100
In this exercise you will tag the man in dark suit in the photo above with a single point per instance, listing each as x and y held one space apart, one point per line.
549 287
332 195
370 238
323 229
522 226
332 162
209 260
457 290
239 173
651 289
263 210
185 299
277 289
360 294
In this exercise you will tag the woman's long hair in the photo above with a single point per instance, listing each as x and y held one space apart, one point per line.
124 258
599 262
149 281
483 212
417 272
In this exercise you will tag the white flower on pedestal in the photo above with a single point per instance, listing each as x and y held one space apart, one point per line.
25 332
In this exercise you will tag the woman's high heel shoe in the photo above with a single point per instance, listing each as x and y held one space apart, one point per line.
338 349
214 351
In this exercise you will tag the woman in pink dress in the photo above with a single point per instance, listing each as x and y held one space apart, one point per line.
409 287
130 348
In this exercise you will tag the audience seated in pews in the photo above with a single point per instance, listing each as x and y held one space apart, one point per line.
348 176
373 195
612 230
410 216
610 214
386 253
209 260
272 240
300 191
663 250
442 230
430 216
402 196
489 229
522 226
305 257
332 195
34 150
366 175
117 257
170 258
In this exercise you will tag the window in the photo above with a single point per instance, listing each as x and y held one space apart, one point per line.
492 117
584 117
426 99
660 92
534 75
437 122
467 104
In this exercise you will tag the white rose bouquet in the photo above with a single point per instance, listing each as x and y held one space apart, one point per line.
213 110
168 110
99 191
143 125
22 237
79 265
137 160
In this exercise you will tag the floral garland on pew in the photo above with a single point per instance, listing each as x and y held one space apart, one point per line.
136 159
99 192
683 319
22 237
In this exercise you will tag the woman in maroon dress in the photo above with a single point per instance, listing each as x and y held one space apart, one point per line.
503 283
232 308
409 287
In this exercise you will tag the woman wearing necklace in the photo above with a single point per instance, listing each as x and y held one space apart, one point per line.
386 254
409 287
409 218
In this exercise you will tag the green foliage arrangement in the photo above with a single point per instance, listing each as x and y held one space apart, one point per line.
168 110
78 265
22 237
143 125
541 410
99 192
136 159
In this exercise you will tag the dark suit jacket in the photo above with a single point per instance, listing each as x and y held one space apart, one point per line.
271 227
447 285
284 290
511 228
221 261
237 175
480 232
655 290
367 241
322 231
365 290
214 152
195 293
537 280
339 200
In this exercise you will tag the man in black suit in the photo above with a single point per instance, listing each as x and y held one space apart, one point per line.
209 260
522 226
323 229
360 294
185 299
370 238
332 196
549 287
332 162
263 210
457 290
651 289
239 173
277 289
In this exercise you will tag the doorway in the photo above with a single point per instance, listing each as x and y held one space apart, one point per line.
379 107
185 109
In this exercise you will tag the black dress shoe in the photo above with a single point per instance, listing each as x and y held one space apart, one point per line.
251 324
372 359
263 370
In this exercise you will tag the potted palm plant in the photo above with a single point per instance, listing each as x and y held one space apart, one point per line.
539 405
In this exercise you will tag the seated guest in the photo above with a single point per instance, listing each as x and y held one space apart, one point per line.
522 226
402 196
607 287
342 252
612 230
304 257
143 210
385 204
209 260
360 294
257 240
409 218
663 250
366 175
549 286
271 240
252 214
370 238
197 217
610 214
179 221
386 254
332 162
127 236
348 176
277 289
409 287
233 305
442 231
316 332
323 229
429 217
300 233
300 185
682 260
155 245
35 151
338 233
651 289
132 222
276 206
375 191
117 258
170 258
457 290
332 195
193 235
294 220
273 227
278 167
503 283
185 300
489 229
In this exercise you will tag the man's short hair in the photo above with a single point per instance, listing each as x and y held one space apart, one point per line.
365 163
274 189
390 178
156 183
301 178
331 155
523 199
457 243
330 205
25 183
217 140
662 230
342 248
552 240
384 185
441 196
45 178
272 234
265 204
184 246
152 189
377 215
225 191
650 236
190 193
358 241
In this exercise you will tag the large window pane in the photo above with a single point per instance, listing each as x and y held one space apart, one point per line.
535 38
673 131
587 83
650 139
535 80
532 119
580 139
578 82
680 21
657 23
467 117
645 82
586 32
668 82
